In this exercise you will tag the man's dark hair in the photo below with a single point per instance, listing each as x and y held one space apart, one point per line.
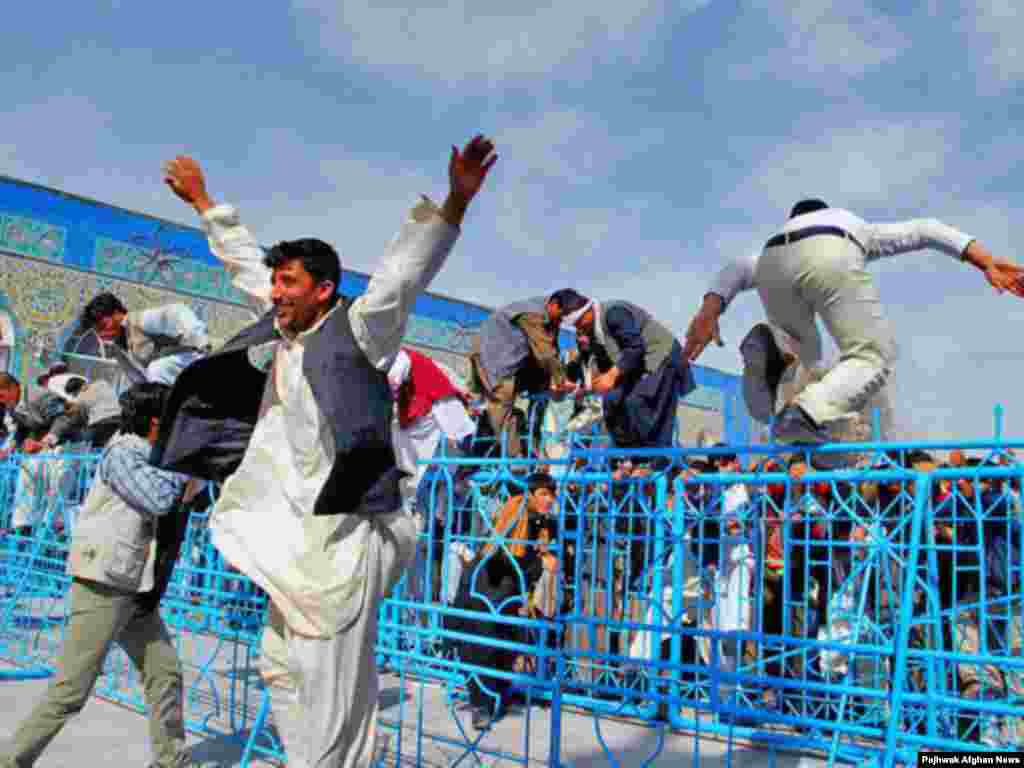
76 385
700 466
539 480
568 300
917 456
7 381
103 305
140 404
809 205
723 458
317 257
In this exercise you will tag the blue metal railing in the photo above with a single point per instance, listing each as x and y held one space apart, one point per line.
865 613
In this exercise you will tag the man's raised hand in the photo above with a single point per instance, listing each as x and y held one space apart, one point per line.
1006 276
185 178
466 173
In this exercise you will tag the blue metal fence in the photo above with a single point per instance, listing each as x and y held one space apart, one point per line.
862 615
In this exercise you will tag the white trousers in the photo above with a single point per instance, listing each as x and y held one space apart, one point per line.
826 276
732 607
420 441
329 719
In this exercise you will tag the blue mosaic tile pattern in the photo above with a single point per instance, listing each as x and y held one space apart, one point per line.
32 237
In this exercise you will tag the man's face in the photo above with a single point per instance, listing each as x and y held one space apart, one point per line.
543 499
586 323
796 475
555 313
775 490
919 466
109 328
10 396
728 464
299 300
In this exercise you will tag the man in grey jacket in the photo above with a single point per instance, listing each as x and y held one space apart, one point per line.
516 352
93 412
111 563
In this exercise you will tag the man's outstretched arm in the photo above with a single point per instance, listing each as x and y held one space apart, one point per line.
380 315
1002 274
890 239
733 279
229 240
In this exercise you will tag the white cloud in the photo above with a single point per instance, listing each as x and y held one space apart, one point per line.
992 30
561 144
865 165
486 40
836 39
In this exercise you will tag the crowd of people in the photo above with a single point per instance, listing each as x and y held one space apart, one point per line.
317 424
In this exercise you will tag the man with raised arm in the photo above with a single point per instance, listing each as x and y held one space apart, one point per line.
816 265
294 414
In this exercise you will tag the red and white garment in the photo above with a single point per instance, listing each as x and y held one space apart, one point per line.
428 406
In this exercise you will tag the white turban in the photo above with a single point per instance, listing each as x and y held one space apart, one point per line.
569 320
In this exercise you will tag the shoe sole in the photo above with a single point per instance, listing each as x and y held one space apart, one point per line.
763 364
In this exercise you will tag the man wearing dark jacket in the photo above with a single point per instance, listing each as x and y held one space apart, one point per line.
649 376
502 576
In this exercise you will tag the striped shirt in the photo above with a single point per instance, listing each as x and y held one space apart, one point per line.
125 467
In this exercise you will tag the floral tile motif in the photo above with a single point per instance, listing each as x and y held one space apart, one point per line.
31 237
168 268
443 334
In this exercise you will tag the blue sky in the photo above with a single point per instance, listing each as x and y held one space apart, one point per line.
641 143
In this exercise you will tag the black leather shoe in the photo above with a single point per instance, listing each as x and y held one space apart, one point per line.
794 427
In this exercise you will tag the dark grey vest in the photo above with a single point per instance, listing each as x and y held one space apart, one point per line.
658 339
215 403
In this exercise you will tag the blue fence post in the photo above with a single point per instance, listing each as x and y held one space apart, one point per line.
922 495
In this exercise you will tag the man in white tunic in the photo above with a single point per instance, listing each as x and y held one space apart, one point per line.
816 265
277 519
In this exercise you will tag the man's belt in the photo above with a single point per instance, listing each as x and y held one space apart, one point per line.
787 238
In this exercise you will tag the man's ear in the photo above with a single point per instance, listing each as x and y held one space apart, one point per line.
325 289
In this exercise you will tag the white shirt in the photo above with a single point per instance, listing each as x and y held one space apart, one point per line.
176 321
878 240
314 568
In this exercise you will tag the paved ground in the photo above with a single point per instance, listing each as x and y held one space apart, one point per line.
109 735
